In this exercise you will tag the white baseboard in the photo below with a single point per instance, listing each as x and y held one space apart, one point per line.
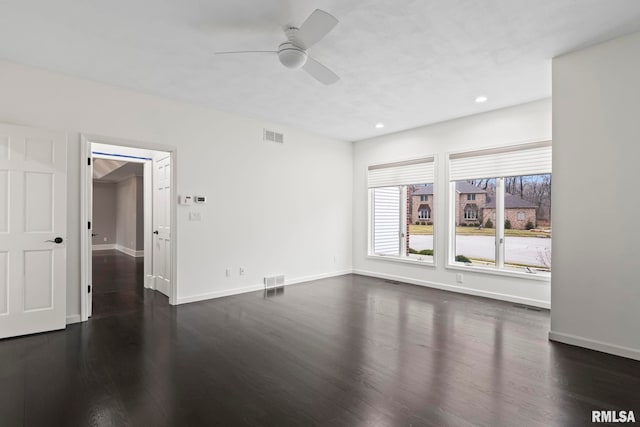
74 318
129 251
457 289
630 353
219 294
254 288
104 247
316 277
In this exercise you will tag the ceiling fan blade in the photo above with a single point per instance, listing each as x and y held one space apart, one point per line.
245 51
320 72
317 25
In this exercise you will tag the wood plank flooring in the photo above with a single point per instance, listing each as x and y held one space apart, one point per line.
345 351
118 283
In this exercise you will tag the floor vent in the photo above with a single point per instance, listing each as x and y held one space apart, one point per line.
273 282
273 136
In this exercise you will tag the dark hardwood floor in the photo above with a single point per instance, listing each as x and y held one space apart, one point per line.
346 351
118 283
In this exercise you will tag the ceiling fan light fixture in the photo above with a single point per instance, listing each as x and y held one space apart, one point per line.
291 56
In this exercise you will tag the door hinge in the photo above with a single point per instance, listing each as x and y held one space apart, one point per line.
89 289
89 225
88 161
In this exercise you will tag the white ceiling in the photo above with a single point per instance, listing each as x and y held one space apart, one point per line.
106 170
402 62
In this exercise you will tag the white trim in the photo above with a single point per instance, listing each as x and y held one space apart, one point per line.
74 318
406 260
254 288
457 289
618 350
219 294
129 251
503 272
85 211
316 277
86 176
103 247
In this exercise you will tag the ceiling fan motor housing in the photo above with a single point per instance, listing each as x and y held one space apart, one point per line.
292 56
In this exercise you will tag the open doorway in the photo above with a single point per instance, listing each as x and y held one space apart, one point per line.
117 236
128 253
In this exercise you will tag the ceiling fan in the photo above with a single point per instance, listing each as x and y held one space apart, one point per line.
293 53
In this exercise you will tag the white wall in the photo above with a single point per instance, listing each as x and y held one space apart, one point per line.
596 247
272 208
528 122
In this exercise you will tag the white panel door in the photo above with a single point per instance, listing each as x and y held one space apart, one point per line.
162 223
33 225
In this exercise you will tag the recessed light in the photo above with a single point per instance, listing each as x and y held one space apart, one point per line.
481 99
379 125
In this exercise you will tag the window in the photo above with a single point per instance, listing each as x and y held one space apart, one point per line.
424 213
471 212
471 196
400 218
508 227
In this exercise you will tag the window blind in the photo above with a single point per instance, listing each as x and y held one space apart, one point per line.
386 221
419 171
524 159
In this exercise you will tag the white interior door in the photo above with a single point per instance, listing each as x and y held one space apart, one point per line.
33 220
162 223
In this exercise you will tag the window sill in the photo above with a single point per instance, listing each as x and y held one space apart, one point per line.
540 277
428 263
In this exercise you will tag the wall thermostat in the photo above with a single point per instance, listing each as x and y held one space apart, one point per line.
200 199
185 200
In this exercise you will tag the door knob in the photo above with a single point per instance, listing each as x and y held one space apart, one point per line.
155 232
57 240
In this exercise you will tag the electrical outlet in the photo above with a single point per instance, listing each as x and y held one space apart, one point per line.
228 272
459 278
105 239
241 271
194 216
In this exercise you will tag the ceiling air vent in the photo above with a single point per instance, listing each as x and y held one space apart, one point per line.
273 136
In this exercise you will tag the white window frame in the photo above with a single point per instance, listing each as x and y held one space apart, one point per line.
499 215
403 258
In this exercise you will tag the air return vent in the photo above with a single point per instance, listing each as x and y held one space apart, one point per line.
273 282
273 136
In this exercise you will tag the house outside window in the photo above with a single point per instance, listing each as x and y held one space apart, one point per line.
424 198
511 187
